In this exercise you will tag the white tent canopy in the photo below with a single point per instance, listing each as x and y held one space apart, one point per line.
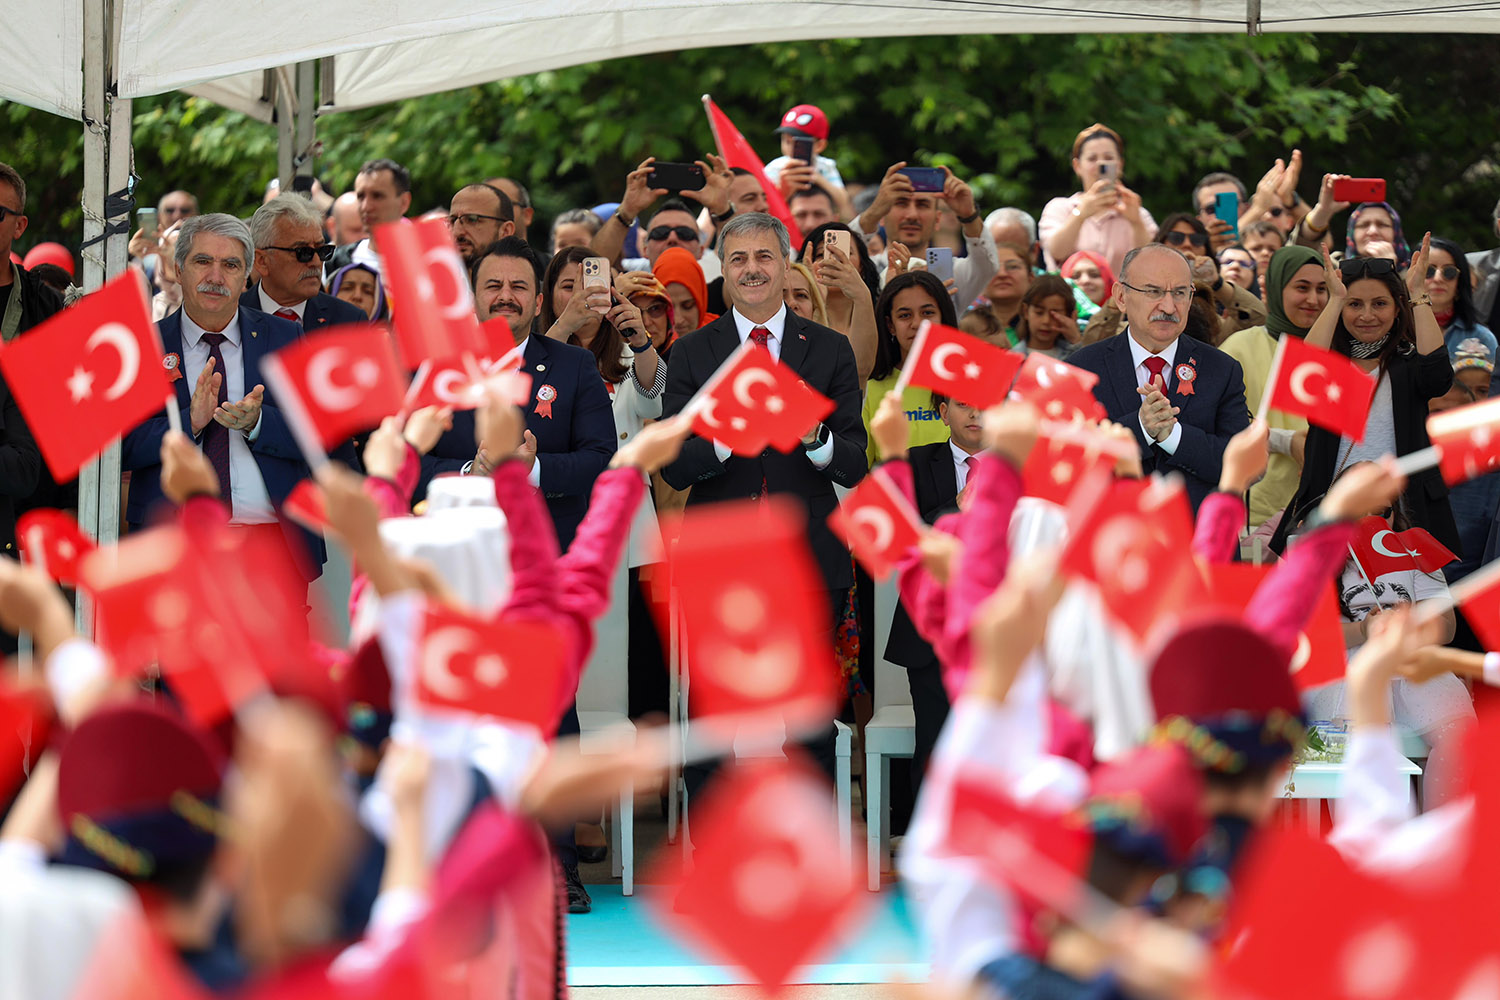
395 49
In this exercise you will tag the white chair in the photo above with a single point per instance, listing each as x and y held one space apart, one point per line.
604 705
891 732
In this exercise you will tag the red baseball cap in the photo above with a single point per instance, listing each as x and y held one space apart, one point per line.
805 119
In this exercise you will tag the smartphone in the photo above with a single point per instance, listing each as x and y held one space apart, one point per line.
925 178
676 176
1227 209
940 262
1110 171
1358 189
596 275
802 149
145 218
840 238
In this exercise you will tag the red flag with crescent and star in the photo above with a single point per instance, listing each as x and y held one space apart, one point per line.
1058 390
1065 455
509 670
53 542
1328 389
754 402
960 366
1320 657
1469 438
877 524
88 374
337 382
1380 550
432 303
736 151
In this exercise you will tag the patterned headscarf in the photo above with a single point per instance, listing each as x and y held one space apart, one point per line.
338 281
1403 252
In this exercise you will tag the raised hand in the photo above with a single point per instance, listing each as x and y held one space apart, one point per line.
1011 430
1416 274
385 451
205 398
1158 415
1333 278
716 180
639 194
1245 458
655 445
185 470
424 427
244 415
889 427
1364 489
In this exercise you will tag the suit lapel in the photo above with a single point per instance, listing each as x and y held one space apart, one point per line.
170 331
723 339
253 338
1189 352
793 342
945 474
312 315
1122 379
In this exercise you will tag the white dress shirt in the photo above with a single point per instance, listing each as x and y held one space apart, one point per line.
960 465
823 453
971 272
269 305
1138 356
249 503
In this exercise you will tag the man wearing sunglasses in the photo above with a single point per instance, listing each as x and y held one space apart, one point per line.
289 255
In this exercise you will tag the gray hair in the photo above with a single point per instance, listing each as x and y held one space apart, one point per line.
1010 216
216 224
579 217
291 207
1153 247
755 222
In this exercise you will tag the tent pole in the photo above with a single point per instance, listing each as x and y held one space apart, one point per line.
286 126
303 160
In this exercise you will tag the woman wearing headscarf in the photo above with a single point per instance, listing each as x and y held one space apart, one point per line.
1375 231
1091 273
682 276
359 285
1296 292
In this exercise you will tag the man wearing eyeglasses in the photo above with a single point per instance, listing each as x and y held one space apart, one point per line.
520 199
478 215
1183 399
289 254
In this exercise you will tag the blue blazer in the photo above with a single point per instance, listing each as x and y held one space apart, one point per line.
322 310
276 454
573 445
1212 414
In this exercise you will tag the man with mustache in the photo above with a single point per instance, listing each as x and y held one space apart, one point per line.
289 255
479 215
1183 399
212 348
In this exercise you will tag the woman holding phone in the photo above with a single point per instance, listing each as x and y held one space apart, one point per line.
1104 216
849 284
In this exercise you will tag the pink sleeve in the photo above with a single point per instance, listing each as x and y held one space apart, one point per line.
1287 597
985 536
1217 533
394 496
533 543
925 599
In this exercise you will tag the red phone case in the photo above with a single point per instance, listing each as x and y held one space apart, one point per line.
1357 189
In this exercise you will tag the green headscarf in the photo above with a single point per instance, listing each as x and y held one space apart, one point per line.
1284 263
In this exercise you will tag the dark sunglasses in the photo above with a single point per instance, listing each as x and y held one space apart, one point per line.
304 255
1448 271
1177 239
1366 267
685 233
1276 212
9 211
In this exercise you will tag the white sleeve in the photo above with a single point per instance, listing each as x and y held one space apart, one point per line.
394 913
1374 797
73 666
1429 586
973 272
506 753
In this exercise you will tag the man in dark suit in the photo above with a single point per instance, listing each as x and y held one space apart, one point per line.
570 428
1183 399
940 472
215 346
754 249
289 255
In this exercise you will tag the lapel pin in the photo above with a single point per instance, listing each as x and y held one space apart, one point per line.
541 368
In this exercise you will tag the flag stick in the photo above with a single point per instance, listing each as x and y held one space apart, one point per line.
174 419
1366 577
412 391
1418 460
297 419
912 355
1275 373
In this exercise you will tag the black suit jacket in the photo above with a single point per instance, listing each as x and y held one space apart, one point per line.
322 310
935 482
1212 414
825 361
573 445
20 466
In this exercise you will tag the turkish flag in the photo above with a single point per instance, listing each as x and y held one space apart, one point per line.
960 366
1320 657
450 382
432 303
338 382
1066 454
1380 550
25 727
771 887
1327 388
52 542
305 506
1478 594
1061 391
1133 539
987 826
737 152
1469 437
88 374
877 524
754 401
510 670
754 613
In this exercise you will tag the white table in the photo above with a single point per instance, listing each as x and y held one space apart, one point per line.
1314 781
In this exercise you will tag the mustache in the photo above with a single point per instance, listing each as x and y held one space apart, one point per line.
1163 317
309 275
213 288
752 276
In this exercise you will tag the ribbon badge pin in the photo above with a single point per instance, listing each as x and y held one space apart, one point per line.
544 397
1186 375
173 364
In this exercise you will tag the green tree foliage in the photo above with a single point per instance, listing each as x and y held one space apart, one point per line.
1001 110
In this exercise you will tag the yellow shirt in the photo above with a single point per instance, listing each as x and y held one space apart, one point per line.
921 414
1253 348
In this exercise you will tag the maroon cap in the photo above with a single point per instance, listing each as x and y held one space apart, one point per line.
1213 665
134 758
805 119
1149 802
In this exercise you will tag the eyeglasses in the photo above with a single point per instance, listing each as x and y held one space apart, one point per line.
1355 268
686 234
1176 239
471 219
10 211
1179 295
304 254
1448 271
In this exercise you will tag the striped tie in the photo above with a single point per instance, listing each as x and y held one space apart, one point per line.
216 435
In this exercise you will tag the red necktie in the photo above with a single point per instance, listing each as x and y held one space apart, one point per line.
762 338
216 435
971 463
290 314
1155 365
